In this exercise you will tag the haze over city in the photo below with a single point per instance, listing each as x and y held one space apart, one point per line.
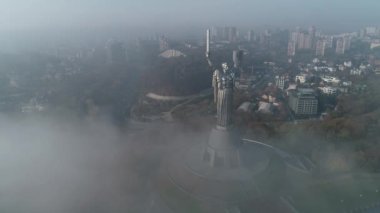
202 106
331 15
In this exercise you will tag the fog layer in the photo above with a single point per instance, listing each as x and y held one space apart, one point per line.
50 165
23 14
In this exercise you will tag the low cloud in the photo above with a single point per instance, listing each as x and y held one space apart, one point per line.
61 166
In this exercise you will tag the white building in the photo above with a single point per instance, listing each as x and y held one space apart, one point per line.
375 43
328 90
371 31
347 83
356 72
363 67
343 89
265 107
330 79
301 78
291 87
348 64
324 69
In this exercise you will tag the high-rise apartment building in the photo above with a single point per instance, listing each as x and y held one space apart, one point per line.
329 41
250 36
312 34
347 42
343 44
320 47
304 41
339 49
291 48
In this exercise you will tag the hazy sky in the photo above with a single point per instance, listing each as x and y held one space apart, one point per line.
23 14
